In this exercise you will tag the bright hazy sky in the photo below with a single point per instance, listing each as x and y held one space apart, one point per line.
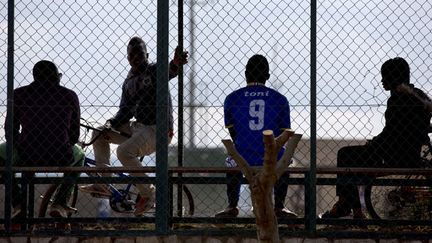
87 40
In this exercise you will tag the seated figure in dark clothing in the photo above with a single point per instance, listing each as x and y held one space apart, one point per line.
407 120
46 126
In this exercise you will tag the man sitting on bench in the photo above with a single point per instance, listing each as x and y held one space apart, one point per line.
397 146
48 115
248 112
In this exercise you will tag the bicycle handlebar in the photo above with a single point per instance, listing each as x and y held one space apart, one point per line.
102 131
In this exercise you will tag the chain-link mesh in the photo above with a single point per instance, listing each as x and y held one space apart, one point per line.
88 40
354 39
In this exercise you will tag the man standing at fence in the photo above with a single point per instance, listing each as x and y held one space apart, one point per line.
138 100
247 113
398 145
48 115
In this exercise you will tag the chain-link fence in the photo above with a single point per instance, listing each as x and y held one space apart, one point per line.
88 42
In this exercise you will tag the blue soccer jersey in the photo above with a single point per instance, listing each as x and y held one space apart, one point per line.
250 111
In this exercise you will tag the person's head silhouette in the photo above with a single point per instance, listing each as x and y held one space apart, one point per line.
257 69
137 53
46 72
394 72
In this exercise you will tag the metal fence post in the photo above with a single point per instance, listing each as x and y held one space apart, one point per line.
10 87
311 185
162 195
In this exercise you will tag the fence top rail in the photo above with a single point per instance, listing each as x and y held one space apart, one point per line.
177 169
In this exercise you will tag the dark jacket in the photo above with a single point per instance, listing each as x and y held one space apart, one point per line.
49 118
406 129
139 97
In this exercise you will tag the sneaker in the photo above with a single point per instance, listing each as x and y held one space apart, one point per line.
96 190
228 213
16 213
16 227
358 214
338 210
285 213
60 211
144 204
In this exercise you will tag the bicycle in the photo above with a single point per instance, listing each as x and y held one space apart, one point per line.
121 200
402 201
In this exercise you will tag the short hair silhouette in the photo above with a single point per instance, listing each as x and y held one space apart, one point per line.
257 69
45 71
136 44
396 71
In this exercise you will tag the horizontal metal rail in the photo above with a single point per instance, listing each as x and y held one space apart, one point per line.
327 177
293 170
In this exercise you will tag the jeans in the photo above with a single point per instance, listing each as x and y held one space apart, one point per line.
367 156
234 184
65 189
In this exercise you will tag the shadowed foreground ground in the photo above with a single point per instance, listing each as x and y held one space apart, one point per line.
49 228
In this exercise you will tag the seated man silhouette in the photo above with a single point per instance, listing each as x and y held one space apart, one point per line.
407 120
249 111
46 126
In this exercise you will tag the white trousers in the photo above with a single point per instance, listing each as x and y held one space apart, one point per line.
141 143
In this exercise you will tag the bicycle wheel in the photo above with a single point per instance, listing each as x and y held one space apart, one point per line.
47 199
188 201
124 202
398 202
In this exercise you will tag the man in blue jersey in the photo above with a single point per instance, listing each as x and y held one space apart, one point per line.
247 113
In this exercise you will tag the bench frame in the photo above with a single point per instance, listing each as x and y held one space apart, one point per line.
321 175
